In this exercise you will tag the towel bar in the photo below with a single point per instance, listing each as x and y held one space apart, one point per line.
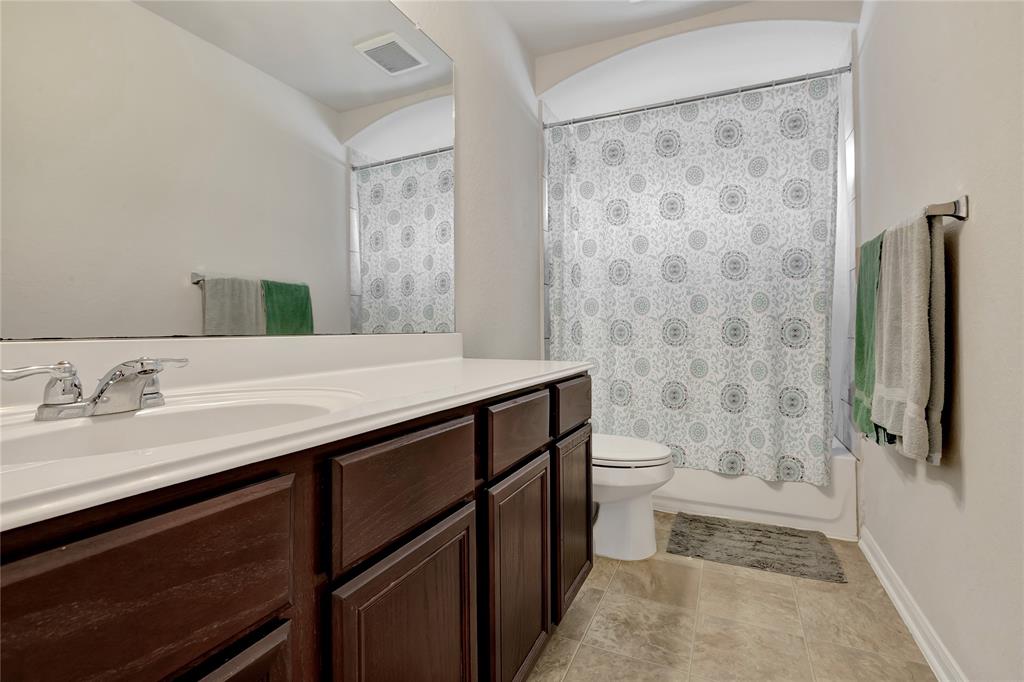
954 209
198 278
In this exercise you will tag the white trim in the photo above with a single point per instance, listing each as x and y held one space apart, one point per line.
939 658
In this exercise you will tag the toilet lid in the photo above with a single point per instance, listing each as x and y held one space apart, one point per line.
622 451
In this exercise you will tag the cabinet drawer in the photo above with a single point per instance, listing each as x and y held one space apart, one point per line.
515 429
268 660
413 615
572 404
381 492
142 601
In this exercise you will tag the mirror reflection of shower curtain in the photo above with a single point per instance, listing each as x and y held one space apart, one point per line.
690 251
406 246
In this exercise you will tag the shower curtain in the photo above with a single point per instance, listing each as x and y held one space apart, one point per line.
406 250
689 251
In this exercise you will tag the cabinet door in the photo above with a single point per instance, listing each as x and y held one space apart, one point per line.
412 616
265 661
519 570
574 537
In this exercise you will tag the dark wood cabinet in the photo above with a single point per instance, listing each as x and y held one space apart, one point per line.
573 520
381 492
515 429
412 617
519 569
268 660
441 548
571 404
139 602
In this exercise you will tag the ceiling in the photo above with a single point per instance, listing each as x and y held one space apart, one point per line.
544 26
784 49
308 44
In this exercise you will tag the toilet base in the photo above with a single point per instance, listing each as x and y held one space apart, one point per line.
625 529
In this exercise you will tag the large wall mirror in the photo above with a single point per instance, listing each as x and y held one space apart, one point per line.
176 168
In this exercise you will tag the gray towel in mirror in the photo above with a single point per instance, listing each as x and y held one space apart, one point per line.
233 306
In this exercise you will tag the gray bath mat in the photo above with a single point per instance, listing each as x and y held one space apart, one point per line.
801 553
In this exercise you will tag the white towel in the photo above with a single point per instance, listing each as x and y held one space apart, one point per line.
910 340
233 307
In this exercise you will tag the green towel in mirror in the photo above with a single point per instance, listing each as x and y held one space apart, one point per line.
864 337
289 308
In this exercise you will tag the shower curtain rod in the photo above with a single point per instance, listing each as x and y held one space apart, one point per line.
439 150
710 95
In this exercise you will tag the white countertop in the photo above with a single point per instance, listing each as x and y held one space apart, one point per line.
390 394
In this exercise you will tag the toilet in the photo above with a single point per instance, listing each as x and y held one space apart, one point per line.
626 472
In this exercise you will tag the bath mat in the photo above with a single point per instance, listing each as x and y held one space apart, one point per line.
800 553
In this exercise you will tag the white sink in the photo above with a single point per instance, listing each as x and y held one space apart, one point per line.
184 419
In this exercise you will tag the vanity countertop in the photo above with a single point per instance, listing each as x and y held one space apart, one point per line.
41 487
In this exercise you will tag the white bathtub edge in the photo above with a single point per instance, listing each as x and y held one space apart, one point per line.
796 505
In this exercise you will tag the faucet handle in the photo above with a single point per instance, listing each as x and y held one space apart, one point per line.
63 387
151 395
146 365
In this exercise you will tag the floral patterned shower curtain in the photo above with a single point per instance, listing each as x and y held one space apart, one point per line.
407 256
690 254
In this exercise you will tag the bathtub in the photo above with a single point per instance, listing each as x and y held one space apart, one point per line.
831 510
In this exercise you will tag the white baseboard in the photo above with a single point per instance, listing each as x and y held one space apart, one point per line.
942 663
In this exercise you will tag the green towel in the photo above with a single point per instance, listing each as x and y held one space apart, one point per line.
289 308
864 340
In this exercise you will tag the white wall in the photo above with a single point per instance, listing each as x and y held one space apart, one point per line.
783 49
497 179
550 69
940 114
414 129
137 153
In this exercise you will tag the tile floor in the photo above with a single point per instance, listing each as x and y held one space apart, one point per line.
676 618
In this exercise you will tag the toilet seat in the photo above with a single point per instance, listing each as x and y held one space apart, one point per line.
622 452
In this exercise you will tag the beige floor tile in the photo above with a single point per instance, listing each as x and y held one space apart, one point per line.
864 588
595 665
749 573
871 624
574 623
658 580
861 579
834 663
601 573
728 650
758 602
661 542
554 662
643 629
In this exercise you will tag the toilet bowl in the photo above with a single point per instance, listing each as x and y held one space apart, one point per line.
626 472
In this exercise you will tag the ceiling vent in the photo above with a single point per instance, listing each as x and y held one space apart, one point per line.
391 53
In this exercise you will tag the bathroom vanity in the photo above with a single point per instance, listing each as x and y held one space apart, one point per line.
439 547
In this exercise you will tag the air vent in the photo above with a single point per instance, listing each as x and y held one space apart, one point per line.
391 53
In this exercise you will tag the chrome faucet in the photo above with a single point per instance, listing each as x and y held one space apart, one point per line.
128 387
